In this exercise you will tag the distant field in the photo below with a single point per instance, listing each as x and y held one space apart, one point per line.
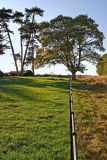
34 119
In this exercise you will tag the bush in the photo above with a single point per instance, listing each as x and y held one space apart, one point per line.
28 73
13 73
1 74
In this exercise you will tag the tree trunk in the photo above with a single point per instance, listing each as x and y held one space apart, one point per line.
21 55
73 75
25 55
12 50
33 54
28 42
33 69
21 44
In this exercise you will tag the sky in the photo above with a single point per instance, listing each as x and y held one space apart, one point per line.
96 9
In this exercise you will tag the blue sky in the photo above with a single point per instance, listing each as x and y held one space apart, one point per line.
95 9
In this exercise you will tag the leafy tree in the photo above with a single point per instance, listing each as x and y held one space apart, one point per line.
27 29
18 18
5 18
70 42
28 34
102 65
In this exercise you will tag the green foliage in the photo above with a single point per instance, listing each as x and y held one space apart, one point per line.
70 41
102 65
34 119
5 17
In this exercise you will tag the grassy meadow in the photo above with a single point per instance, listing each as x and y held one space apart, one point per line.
34 118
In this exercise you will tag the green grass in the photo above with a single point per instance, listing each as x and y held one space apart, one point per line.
34 119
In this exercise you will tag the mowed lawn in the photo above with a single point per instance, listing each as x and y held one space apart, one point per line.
34 119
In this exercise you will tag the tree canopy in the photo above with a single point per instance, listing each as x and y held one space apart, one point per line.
65 40
5 17
27 30
70 42
102 65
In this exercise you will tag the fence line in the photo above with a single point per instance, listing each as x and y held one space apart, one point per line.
73 145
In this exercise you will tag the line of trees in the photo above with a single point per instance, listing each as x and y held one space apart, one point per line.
28 34
62 40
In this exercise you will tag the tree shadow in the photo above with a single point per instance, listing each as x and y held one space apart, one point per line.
34 82
19 88
80 85
13 86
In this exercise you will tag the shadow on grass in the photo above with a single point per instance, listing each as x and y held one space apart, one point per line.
33 82
19 86
80 85
23 88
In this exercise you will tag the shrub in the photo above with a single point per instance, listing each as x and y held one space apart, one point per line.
1 74
13 73
28 73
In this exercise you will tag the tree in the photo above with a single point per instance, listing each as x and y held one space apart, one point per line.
28 34
70 42
5 17
18 18
102 65
27 31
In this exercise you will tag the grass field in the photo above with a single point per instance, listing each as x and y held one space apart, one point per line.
34 119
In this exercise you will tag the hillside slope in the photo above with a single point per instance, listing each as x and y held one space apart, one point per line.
34 119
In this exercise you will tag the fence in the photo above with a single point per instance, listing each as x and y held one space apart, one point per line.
73 145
